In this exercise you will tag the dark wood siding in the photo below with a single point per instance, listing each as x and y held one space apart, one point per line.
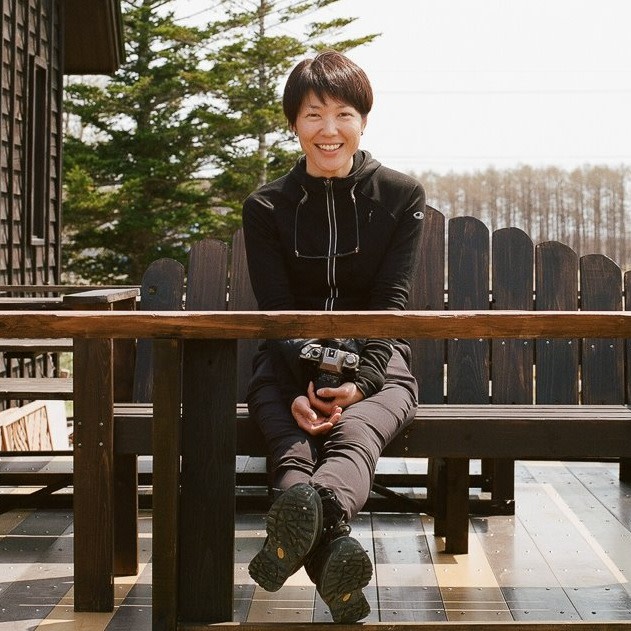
30 112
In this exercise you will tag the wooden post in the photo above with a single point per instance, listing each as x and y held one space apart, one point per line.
93 461
207 500
167 398
457 506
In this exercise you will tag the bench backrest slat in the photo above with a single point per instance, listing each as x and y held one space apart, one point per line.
206 278
512 288
468 288
427 292
161 290
556 287
602 360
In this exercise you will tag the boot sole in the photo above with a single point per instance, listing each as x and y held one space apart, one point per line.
294 524
347 571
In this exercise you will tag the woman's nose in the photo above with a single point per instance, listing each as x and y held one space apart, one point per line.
329 126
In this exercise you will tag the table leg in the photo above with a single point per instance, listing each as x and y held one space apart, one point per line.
93 461
207 501
167 401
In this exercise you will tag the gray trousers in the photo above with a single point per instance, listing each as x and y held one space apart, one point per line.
344 459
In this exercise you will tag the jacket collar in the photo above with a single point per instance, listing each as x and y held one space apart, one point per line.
364 165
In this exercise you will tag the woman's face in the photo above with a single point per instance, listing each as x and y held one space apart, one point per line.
329 133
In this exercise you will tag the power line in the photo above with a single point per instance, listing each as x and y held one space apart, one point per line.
201 11
555 91
428 157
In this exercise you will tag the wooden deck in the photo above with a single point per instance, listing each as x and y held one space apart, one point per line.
564 557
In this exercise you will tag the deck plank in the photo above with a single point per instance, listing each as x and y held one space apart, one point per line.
563 558
36 561
602 546
407 585
468 585
528 584
603 482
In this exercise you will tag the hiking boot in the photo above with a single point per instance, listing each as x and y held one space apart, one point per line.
339 565
294 526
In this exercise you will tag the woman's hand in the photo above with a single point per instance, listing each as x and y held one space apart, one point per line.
328 399
311 420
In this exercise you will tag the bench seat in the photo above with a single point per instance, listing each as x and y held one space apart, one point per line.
452 435
517 431
450 431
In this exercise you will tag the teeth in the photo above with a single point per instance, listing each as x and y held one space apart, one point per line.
330 147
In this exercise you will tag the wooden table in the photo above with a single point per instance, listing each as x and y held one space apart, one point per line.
194 504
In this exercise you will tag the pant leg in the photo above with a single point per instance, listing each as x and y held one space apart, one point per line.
293 452
348 457
345 459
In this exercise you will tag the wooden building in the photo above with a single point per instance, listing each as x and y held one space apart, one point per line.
41 41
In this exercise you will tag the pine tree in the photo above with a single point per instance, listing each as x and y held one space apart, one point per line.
130 197
187 101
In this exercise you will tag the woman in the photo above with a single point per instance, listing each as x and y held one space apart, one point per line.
338 232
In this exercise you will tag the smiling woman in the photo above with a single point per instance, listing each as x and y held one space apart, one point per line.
338 232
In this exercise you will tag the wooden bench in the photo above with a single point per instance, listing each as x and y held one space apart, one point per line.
25 382
29 357
464 381
36 426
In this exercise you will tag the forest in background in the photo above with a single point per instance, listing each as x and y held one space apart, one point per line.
586 208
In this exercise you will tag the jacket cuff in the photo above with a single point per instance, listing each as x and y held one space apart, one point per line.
373 365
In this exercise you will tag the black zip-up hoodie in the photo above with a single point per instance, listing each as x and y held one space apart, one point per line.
335 244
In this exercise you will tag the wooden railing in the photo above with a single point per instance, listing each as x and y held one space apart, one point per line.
194 501
468 324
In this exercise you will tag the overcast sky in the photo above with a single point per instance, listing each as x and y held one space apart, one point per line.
461 85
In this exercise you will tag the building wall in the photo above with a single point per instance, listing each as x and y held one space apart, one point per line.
30 156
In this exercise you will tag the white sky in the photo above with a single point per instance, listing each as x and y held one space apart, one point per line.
461 85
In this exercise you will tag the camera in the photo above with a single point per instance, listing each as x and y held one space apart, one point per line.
330 367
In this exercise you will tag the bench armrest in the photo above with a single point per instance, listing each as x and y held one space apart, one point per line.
100 297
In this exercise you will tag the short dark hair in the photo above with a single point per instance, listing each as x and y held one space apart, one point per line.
329 74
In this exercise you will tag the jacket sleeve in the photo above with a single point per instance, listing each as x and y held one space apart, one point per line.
266 265
373 365
270 284
391 290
